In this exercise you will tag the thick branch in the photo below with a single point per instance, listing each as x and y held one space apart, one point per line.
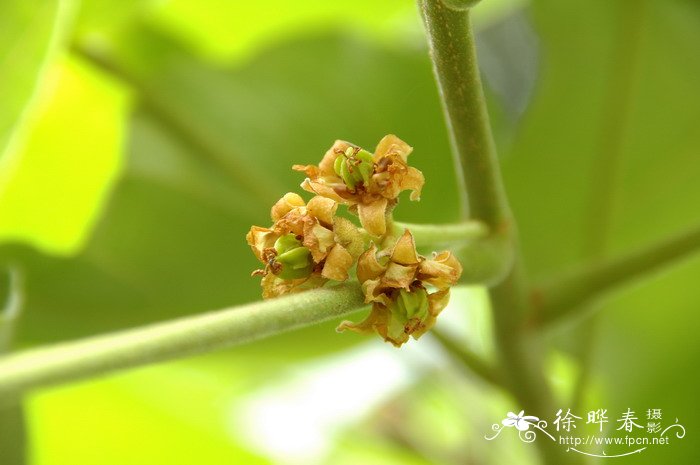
174 339
566 296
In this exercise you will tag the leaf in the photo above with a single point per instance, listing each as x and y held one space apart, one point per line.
52 184
29 32
615 101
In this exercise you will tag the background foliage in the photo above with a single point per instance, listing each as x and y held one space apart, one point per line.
140 139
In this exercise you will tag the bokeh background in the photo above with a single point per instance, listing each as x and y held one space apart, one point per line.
139 140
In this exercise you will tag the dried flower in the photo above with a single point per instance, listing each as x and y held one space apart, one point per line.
396 282
306 246
369 183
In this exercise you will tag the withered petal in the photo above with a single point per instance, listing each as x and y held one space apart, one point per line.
377 317
373 217
322 189
318 239
337 264
323 209
399 276
287 203
441 271
259 239
390 144
413 180
404 252
368 267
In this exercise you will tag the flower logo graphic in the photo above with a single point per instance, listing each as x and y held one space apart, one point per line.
521 421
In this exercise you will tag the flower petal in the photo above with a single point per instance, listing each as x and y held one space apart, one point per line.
318 239
404 252
399 276
442 271
413 180
287 203
323 209
259 239
321 189
337 264
368 267
390 144
373 217
377 317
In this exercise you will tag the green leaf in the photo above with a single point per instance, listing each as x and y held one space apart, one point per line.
29 32
52 184
615 103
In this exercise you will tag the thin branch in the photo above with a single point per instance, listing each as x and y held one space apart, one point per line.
174 339
468 359
565 297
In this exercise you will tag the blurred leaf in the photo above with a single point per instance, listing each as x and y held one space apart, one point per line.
139 421
616 93
230 33
29 32
52 185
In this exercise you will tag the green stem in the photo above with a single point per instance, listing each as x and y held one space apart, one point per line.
452 50
471 361
436 234
567 295
13 436
451 42
174 339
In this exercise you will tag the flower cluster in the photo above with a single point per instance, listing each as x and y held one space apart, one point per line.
308 244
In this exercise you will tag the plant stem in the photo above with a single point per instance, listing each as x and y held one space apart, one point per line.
566 296
174 339
13 436
471 361
451 42
434 234
452 50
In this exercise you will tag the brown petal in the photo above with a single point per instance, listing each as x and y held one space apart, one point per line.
326 165
442 271
367 265
319 240
274 286
377 317
337 264
322 189
311 171
412 179
287 203
323 209
373 289
259 239
404 252
390 144
399 276
373 217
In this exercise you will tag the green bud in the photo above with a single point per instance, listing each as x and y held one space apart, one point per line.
413 304
293 259
286 242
